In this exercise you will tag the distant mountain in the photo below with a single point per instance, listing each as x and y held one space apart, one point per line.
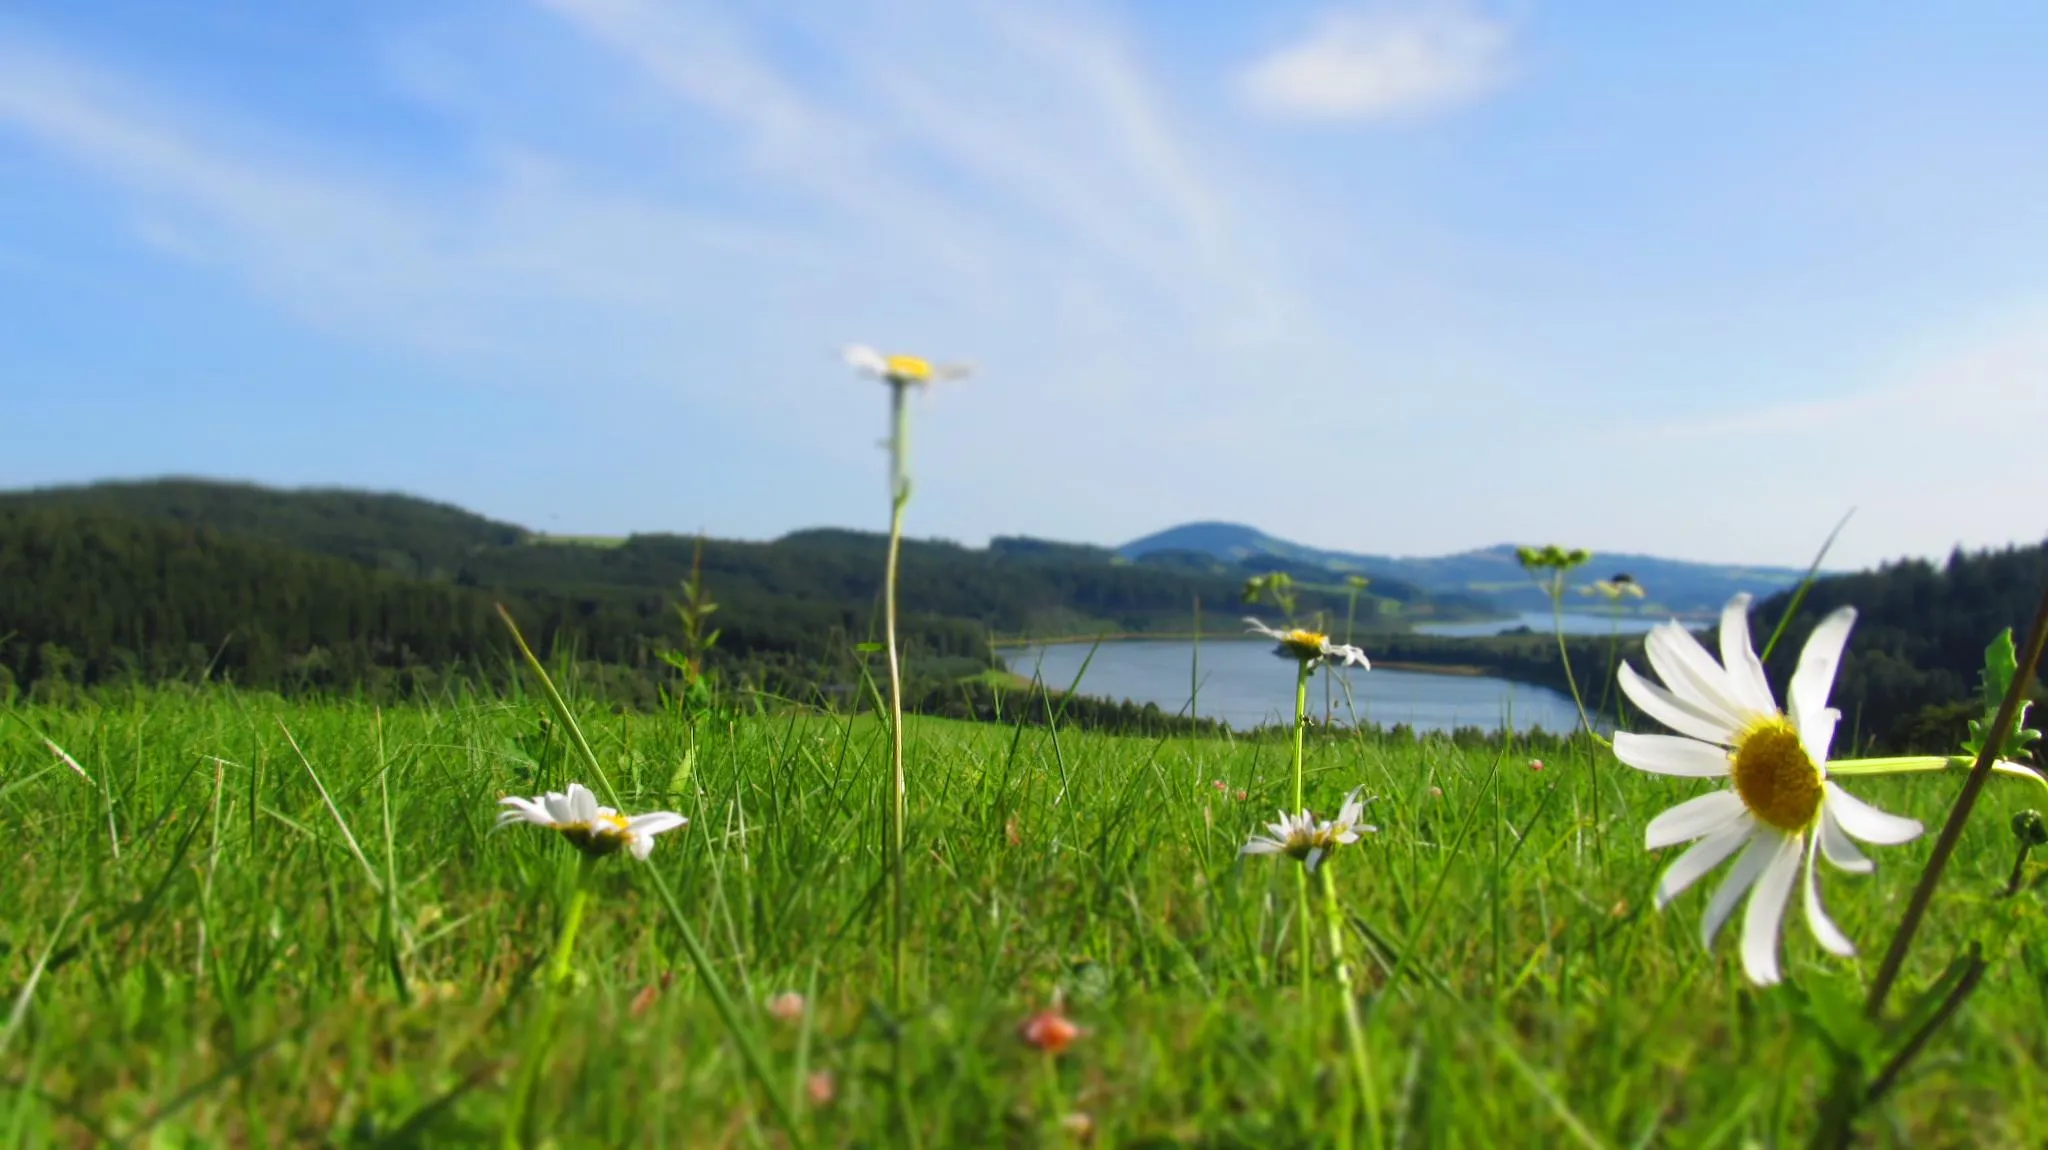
1492 572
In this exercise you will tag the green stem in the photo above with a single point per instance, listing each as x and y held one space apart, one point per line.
1848 1097
542 1032
899 498
1055 1096
2019 870
1304 960
565 946
1959 814
741 1033
1556 592
1300 724
1564 656
1354 1028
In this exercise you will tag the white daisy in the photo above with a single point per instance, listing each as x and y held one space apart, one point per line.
901 369
1301 837
1345 828
1780 811
596 831
1310 647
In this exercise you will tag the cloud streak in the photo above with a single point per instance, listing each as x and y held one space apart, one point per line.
1383 63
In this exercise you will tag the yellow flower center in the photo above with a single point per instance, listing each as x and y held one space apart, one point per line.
596 839
1303 643
908 367
1775 778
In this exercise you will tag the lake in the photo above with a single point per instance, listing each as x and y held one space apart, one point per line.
1575 623
1245 684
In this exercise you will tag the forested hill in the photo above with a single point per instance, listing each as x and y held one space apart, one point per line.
397 533
133 580
1911 670
88 597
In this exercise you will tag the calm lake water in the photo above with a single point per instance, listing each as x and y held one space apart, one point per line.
1244 684
1539 621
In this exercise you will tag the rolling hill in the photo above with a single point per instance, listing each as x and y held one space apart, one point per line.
1674 585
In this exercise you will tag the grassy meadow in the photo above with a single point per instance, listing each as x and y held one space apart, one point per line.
261 922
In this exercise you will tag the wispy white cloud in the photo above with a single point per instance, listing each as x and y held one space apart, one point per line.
448 267
1406 58
1028 196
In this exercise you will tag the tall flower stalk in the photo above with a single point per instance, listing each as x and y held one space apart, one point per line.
601 830
902 373
1301 837
1308 649
1548 566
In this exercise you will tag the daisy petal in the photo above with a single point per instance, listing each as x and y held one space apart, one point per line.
582 804
1740 878
1745 670
1824 929
1315 855
523 811
1672 711
641 846
866 359
1863 821
1818 661
1693 819
1839 848
558 807
1817 733
1764 921
654 823
1259 847
1702 857
1670 755
1691 674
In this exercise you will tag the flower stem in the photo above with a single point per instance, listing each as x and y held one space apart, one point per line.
2019 870
1556 591
1354 1029
1300 725
1848 1096
541 1034
750 1052
1301 949
1959 814
899 498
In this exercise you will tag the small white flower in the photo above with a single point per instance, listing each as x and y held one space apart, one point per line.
596 831
1300 836
1345 828
901 370
1310 647
1781 811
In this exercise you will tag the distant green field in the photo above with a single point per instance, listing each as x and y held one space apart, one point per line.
199 948
582 540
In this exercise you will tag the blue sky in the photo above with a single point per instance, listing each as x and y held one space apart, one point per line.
1405 278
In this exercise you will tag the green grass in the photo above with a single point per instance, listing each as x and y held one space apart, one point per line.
197 948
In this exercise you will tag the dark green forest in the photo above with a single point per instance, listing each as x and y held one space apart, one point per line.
387 595
348 591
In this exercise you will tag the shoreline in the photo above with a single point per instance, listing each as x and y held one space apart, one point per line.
1457 670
